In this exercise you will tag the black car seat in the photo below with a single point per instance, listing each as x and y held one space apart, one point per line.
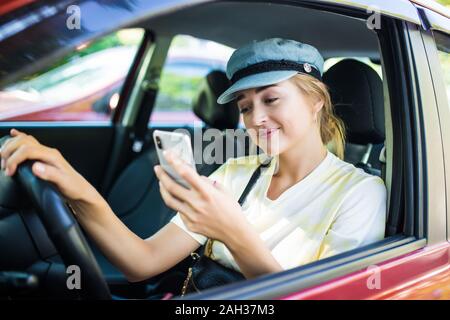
225 141
357 94
206 107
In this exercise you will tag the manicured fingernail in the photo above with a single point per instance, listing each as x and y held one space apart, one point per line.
39 167
3 164
7 171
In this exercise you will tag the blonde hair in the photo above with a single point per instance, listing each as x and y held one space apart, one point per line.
332 129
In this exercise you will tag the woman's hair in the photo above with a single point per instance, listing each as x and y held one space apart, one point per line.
332 128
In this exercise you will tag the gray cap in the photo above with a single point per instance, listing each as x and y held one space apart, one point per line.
266 62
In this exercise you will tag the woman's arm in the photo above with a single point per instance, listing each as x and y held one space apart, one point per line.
208 209
249 251
138 259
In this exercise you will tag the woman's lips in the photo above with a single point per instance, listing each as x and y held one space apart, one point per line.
267 133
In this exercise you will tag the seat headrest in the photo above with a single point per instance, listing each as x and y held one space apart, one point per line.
205 106
357 95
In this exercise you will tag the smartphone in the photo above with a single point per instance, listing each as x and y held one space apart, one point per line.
180 145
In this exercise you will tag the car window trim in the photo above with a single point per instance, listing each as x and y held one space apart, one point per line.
132 75
435 20
391 60
415 170
147 78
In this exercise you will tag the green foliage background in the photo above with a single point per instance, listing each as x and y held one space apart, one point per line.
177 92
445 2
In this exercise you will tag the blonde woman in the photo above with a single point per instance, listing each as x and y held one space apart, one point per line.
307 204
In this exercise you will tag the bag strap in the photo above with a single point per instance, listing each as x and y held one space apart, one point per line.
255 176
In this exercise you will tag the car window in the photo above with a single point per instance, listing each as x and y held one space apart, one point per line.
83 86
443 47
189 60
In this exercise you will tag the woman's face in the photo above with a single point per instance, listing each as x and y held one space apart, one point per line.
277 117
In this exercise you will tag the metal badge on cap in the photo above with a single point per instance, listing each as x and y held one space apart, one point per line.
307 67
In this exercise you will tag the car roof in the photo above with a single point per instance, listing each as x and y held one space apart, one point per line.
299 23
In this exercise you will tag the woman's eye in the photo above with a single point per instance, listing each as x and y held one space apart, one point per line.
270 100
243 109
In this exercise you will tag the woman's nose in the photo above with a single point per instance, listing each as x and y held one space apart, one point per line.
259 115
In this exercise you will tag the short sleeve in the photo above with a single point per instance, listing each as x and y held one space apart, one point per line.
217 175
360 220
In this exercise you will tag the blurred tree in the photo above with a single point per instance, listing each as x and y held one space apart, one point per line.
444 2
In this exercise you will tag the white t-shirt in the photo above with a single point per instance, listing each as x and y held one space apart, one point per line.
335 208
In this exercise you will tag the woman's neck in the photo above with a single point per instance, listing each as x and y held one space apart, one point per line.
301 159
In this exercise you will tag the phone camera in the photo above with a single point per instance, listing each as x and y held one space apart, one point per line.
159 143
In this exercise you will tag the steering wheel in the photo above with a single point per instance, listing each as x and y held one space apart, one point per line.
60 224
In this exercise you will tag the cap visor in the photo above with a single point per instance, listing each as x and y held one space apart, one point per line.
254 81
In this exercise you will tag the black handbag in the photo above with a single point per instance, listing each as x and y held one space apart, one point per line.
204 272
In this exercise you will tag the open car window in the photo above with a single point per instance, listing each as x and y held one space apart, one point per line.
83 86
188 62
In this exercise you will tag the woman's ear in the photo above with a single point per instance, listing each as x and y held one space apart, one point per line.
318 106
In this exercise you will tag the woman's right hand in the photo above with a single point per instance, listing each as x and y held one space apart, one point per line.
50 165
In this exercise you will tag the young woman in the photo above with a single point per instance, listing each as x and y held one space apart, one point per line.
307 205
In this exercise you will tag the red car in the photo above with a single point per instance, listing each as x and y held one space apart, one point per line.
405 96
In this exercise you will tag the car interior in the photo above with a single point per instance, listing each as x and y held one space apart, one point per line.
108 157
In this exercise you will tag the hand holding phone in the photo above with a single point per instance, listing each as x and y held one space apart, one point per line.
179 144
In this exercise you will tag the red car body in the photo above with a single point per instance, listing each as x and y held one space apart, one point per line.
423 274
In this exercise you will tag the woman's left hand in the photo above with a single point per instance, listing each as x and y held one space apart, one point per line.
207 208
